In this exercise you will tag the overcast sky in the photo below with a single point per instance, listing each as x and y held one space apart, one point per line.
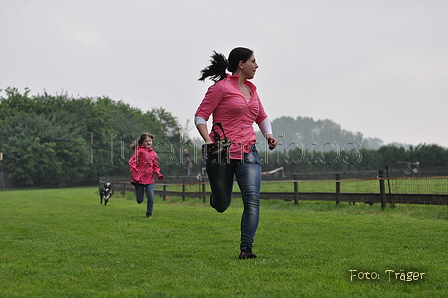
376 67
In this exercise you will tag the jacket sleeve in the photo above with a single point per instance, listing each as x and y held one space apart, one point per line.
211 100
155 166
135 174
261 112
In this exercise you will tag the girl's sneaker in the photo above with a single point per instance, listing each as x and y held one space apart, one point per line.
247 253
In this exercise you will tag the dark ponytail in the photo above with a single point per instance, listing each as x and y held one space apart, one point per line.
217 70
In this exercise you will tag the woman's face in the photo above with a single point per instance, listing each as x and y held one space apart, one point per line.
249 67
147 142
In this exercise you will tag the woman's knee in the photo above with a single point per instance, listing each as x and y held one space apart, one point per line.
220 205
220 209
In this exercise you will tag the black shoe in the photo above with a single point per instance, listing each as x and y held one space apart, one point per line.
247 253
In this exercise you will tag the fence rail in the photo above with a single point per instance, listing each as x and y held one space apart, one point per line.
380 196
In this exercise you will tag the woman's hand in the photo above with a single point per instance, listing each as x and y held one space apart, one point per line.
272 142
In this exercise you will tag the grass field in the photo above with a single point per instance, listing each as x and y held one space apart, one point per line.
63 243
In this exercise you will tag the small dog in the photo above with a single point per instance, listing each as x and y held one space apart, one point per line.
105 193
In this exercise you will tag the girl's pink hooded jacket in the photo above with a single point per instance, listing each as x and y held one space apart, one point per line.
143 164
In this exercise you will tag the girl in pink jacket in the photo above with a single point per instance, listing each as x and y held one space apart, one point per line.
143 164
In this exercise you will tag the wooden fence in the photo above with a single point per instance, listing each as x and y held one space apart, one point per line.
382 196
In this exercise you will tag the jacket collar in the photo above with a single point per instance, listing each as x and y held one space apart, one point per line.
144 147
235 79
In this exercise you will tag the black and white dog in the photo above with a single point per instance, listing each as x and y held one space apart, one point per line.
105 193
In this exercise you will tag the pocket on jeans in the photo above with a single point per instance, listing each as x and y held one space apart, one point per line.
252 158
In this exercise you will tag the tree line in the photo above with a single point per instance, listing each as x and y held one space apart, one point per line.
60 141
306 130
354 158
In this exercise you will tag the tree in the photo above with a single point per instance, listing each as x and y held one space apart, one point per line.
54 141
39 151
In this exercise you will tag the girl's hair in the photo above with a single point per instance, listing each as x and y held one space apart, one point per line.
217 69
139 141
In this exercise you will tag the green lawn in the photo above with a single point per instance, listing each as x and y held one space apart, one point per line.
63 243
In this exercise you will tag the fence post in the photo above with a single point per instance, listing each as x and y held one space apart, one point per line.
392 204
204 199
183 189
164 192
338 189
382 189
199 185
296 191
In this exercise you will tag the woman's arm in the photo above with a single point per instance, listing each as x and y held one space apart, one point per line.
203 131
266 129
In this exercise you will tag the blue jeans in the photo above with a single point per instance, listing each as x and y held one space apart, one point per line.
140 190
248 175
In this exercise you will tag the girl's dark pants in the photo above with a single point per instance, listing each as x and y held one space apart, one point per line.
140 190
